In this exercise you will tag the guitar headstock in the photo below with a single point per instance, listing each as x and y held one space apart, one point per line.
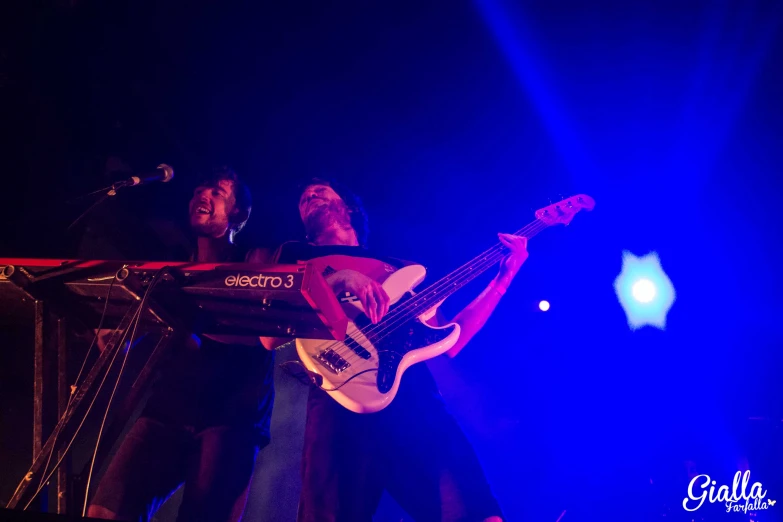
563 212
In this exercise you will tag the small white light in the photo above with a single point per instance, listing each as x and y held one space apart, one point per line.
543 306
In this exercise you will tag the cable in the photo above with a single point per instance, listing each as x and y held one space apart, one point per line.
349 379
75 384
150 288
81 216
60 425
84 418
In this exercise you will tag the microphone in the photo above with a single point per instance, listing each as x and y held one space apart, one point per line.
163 173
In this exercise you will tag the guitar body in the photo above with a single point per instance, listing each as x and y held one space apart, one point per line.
367 367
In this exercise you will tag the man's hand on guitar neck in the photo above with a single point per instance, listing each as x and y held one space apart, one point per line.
510 265
373 297
472 318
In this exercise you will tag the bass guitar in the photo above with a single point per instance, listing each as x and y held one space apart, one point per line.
363 371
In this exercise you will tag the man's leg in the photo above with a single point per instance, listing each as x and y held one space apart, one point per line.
148 467
219 474
433 471
340 481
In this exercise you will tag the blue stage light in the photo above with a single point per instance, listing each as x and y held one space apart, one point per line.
644 291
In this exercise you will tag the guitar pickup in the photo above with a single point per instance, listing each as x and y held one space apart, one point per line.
332 360
357 348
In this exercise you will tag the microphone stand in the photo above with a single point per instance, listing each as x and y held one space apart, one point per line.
107 193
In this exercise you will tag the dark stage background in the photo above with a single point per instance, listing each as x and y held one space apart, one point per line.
454 120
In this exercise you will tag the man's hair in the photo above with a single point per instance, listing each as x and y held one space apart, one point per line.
359 220
243 200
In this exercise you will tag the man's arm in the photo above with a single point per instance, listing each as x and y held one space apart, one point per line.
371 294
473 317
272 343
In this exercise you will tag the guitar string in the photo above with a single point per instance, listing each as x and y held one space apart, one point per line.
486 262
349 355
450 284
460 271
435 293
429 298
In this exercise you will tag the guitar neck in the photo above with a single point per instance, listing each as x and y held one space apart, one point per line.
447 285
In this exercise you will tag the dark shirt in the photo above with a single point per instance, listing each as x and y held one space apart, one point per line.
417 381
207 383
216 384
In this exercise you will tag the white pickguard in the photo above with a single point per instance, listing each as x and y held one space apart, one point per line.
361 394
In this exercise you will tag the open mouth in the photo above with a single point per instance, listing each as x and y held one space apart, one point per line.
203 209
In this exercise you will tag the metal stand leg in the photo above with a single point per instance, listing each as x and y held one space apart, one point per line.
69 425
38 391
64 471
38 378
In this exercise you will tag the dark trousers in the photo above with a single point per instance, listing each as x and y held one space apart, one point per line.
215 465
414 449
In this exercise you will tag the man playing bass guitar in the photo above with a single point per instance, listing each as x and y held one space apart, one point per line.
412 447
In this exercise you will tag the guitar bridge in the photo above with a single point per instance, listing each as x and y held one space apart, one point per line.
332 361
